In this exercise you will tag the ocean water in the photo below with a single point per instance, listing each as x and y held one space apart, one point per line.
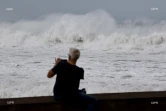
117 57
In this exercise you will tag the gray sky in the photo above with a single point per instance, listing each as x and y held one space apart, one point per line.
119 9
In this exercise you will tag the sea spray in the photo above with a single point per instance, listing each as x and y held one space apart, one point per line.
95 30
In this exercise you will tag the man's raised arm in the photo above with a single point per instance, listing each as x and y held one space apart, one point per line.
53 71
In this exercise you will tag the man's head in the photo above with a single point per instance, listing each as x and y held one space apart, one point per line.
74 54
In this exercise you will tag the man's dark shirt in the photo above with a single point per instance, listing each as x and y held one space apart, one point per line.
68 78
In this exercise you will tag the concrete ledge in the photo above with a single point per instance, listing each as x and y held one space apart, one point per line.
101 96
131 101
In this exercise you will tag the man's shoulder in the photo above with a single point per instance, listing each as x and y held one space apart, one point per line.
80 69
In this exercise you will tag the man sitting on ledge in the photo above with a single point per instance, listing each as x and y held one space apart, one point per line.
66 87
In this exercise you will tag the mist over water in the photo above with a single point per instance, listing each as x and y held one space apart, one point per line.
89 30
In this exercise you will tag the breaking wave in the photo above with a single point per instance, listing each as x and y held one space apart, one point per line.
94 29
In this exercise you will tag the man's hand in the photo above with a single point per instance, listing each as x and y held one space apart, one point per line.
57 60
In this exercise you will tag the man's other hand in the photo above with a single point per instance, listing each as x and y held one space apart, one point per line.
57 60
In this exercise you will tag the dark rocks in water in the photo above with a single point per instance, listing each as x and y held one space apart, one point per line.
80 40
57 40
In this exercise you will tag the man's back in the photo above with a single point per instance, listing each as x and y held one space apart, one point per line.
68 78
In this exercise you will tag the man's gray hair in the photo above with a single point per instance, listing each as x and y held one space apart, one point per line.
74 53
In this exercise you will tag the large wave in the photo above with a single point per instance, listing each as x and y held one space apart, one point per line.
96 29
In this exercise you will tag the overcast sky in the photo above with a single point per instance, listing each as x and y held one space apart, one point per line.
119 9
